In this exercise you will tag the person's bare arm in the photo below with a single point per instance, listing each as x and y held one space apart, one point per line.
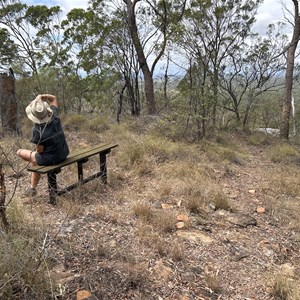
48 97
51 98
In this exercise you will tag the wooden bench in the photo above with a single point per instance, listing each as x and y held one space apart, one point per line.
80 157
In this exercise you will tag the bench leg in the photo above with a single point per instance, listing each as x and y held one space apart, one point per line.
103 170
80 168
52 187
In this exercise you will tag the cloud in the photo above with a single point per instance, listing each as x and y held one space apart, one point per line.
65 5
271 12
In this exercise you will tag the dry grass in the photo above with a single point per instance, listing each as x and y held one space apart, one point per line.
142 211
24 265
284 288
73 122
114 235
260 138
284 153
220 200
283 189
164 221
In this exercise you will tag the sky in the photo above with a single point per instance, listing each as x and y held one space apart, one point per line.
270 11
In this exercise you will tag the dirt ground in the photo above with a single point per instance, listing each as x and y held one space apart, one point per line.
99 248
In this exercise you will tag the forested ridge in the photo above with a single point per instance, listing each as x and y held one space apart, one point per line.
198 63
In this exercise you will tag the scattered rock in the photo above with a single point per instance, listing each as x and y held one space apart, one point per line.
182 218
252 191
212 207
260 210
188 277
166 206
83 295
162 270
195 236
180 225
241 220
223 212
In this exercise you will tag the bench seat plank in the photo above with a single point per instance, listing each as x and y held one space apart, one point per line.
74 157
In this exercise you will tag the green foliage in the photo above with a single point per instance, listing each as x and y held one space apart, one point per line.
8 48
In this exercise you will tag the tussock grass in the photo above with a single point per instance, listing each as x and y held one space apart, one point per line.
73 122
220 200
227 152
165 190
283 190
132 154
195 204
283 153
97 124
284 288
259 139
23 272
172 250
195 197
150 238
142 211
164 150
212 279
164 221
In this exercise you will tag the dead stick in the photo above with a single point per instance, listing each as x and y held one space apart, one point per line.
2 198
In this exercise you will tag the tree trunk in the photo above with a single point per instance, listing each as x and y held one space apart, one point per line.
287 104
148 76
8 105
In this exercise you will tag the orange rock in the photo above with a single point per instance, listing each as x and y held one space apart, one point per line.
182 218
261 210
81 295
180 225
166 206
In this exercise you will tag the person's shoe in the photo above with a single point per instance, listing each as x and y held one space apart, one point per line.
30 192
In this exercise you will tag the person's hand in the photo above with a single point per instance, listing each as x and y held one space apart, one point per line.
38 98
48 97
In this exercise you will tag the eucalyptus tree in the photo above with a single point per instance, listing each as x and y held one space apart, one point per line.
78 54
290 66
252 71
214 30
46 22
27 26
12 18
162 18
119 54
8 49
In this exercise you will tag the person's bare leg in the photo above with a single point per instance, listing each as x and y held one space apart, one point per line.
30 157
35 178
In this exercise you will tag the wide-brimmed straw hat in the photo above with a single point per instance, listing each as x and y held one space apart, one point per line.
39 112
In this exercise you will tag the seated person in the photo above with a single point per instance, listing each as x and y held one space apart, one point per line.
48 136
